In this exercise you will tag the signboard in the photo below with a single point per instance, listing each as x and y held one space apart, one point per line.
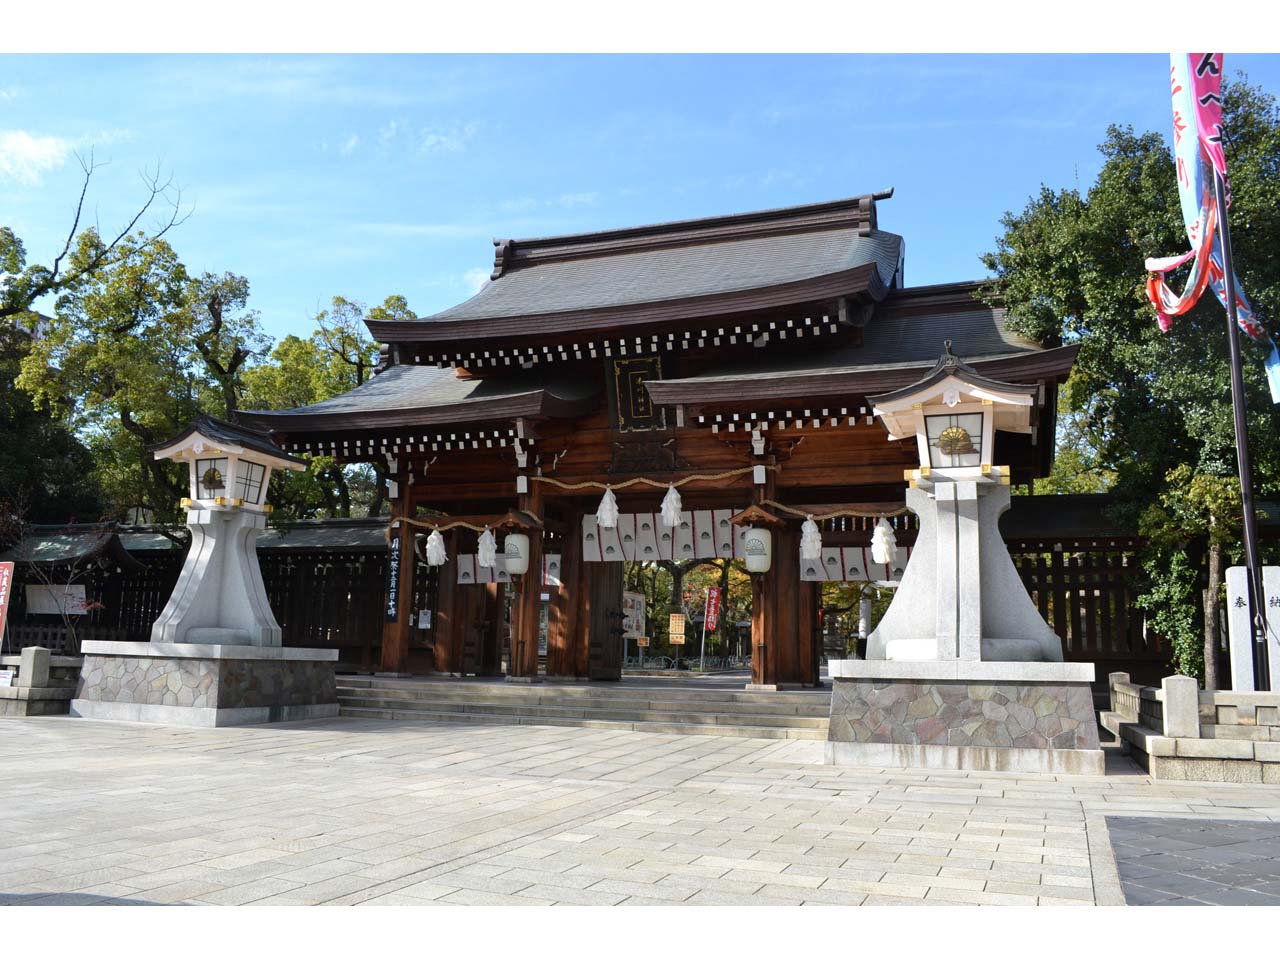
6 677
56 599
642 641
6 587
393 580
1239 631
712 619
632 615
675 627
424 619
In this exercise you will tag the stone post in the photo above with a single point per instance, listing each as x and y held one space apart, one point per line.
34 668
1113 680
1181 706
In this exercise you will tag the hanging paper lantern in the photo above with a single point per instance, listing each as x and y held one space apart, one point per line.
671 508
487 549
810 540
436 555
607 512
757 550
884 545
516 548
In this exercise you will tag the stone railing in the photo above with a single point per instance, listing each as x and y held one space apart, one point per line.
1179 732
43 684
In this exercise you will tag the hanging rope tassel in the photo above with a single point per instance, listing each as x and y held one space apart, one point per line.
607 512
436 555
884 545
810 540
671 508
487 549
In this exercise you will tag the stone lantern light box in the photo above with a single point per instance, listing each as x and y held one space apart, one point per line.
229 467
954 413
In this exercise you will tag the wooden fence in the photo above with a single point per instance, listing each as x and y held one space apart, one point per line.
1085 589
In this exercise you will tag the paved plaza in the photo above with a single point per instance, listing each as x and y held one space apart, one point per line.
350 811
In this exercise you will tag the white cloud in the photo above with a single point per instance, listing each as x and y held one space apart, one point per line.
446 141
9 93
26 158
349 145
388 133
577 199
476 278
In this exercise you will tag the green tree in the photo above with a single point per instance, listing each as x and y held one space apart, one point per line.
1152 411
114 363
85 252
132 353
46 473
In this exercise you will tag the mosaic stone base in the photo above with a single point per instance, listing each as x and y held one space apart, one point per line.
966 725
205 691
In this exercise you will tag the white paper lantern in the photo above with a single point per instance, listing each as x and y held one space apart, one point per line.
487 549
436 555
884 545
516 547
810 540
671 508
757 549
607 512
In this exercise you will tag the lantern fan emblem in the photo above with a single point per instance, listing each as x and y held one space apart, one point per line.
955 441
211 479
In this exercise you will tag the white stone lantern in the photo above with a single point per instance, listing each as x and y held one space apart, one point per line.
219 597
986 687
215 656
939 611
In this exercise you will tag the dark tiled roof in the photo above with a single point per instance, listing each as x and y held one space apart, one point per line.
677 273
363 534
895 337
668 273
426 395
233 434
70 543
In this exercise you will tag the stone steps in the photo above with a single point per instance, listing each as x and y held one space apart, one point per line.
797 716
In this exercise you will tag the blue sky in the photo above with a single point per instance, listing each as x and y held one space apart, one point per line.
364 176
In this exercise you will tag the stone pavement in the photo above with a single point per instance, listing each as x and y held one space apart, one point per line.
1192 862
349 811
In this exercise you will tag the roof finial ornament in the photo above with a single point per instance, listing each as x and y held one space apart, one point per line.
950 358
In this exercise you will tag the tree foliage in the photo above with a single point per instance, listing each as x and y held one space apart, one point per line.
1148 414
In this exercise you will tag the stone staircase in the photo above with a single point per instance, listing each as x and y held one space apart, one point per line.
654 707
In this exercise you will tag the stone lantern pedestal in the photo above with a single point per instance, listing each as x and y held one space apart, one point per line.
215 656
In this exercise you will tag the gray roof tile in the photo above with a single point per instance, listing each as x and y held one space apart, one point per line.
677 272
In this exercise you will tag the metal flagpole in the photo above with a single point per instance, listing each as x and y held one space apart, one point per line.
1257 596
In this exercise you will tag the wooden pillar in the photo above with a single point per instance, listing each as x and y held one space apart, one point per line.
566 602
526 610
600 620
398 606
784 639
447 624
